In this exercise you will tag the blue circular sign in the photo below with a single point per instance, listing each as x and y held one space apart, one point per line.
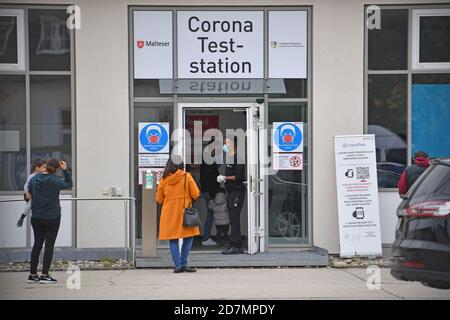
288 137
153 137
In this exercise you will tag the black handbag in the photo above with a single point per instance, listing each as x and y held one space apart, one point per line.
191 217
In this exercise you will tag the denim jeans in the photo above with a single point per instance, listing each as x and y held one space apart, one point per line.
180 259
209 218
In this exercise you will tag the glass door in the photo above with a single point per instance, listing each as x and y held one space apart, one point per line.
226 116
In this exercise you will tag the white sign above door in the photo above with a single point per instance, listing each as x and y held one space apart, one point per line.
220 44
153 45
288 44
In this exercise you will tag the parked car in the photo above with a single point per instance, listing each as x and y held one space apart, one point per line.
421 250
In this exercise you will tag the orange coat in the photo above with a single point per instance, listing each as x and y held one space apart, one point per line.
174 197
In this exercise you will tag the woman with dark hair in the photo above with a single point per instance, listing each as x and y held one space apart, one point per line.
46 215
176 191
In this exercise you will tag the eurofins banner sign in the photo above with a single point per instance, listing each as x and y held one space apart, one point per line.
357 195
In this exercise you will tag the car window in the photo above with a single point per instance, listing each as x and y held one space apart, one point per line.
434 186
387 179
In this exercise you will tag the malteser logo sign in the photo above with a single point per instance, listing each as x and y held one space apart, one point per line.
141 44
153 58
220 44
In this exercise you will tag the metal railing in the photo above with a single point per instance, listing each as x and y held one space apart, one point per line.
129 205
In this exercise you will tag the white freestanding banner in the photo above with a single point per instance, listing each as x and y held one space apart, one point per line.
357 195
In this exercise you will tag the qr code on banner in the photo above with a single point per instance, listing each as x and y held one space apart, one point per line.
362 173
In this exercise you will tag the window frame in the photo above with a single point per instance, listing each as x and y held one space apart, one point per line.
176 98
27 73
20 15
415 16
409 72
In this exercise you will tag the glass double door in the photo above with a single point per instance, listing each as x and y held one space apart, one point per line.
204 127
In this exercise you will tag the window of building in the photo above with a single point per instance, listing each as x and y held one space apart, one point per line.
407 109
13 155
388 46
36 103
51 123
283 83
12 39
49 40
288 189
148 112
430 114
431 38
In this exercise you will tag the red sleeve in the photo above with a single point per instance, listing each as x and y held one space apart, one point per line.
402 184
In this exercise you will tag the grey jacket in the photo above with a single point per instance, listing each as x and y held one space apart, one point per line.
219 207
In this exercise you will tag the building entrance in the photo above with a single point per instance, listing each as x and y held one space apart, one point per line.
206 127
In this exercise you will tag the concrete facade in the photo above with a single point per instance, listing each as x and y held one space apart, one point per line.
102 109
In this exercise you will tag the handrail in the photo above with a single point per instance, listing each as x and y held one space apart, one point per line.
128 213
83 199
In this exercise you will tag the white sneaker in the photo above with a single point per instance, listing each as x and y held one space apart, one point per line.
209 242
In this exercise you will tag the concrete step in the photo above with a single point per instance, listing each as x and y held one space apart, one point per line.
315 257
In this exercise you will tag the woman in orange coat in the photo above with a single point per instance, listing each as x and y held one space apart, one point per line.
176 191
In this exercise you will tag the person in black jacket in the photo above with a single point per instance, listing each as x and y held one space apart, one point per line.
46 216
419 164
234 185
209 187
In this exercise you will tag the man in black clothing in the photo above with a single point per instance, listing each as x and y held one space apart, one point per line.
234 186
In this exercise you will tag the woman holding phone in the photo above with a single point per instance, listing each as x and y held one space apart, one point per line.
46 215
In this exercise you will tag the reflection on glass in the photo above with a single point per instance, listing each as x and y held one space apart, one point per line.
12 133
49 40
387 119
288 88
8 40
51 121
434 39
152 87
288 189
387 46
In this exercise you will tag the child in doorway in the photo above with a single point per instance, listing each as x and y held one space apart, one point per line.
38 166
221 218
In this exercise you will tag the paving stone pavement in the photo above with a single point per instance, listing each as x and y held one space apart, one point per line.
279 283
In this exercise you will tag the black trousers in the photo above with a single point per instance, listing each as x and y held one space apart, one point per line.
45 230
235 200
